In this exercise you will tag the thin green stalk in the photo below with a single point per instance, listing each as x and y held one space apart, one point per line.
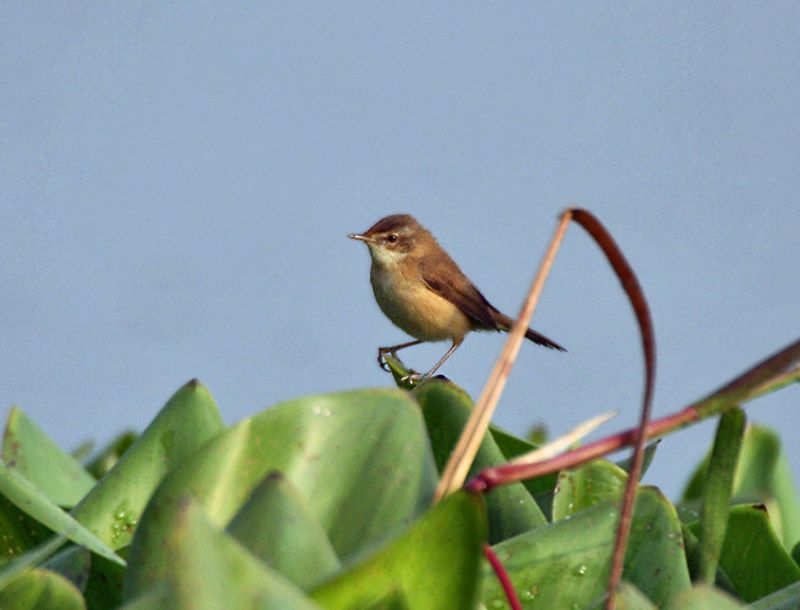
718 492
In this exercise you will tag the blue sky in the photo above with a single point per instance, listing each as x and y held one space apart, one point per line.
177 181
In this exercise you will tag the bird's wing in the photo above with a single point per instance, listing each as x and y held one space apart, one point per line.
457 289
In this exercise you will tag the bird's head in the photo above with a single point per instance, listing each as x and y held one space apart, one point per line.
394 238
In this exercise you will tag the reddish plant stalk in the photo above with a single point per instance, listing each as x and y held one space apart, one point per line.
502 576
490 478
633 290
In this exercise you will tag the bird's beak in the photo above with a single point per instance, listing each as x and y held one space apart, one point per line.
363 238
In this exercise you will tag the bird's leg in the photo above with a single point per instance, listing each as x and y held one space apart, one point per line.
429 374
392 350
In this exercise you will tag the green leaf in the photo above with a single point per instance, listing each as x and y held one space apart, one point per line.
561 565
36 457
762 476
277 526
703 597
718 491
41 590
361 458
28 498
566 564
114 506
19 532
433 565
209 570
654 561
109 455
752 556
586 486
446 408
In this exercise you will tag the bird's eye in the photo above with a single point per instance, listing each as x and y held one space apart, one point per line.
392 238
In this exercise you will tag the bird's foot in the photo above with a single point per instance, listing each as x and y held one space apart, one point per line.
382 359
413 378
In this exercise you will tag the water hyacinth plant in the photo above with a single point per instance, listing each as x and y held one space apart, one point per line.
403 498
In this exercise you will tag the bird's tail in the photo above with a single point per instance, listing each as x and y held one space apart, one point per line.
540 339
505 323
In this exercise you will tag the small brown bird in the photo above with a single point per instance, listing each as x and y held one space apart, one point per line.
423 292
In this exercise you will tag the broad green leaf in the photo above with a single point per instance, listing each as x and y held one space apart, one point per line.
752 556
434 565
583 487
19 532
446 408
541 488
762 476
209 570
787 598
361 458
114 506
703 597
276 525
766 477
41 590
561 565
36 457
109 455
718 491
655 561
27 497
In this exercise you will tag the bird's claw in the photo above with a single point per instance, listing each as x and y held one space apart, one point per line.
382 360
412 378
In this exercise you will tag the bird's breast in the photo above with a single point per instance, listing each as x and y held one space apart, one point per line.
408 302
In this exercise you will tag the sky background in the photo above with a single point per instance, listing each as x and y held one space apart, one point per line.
177 181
